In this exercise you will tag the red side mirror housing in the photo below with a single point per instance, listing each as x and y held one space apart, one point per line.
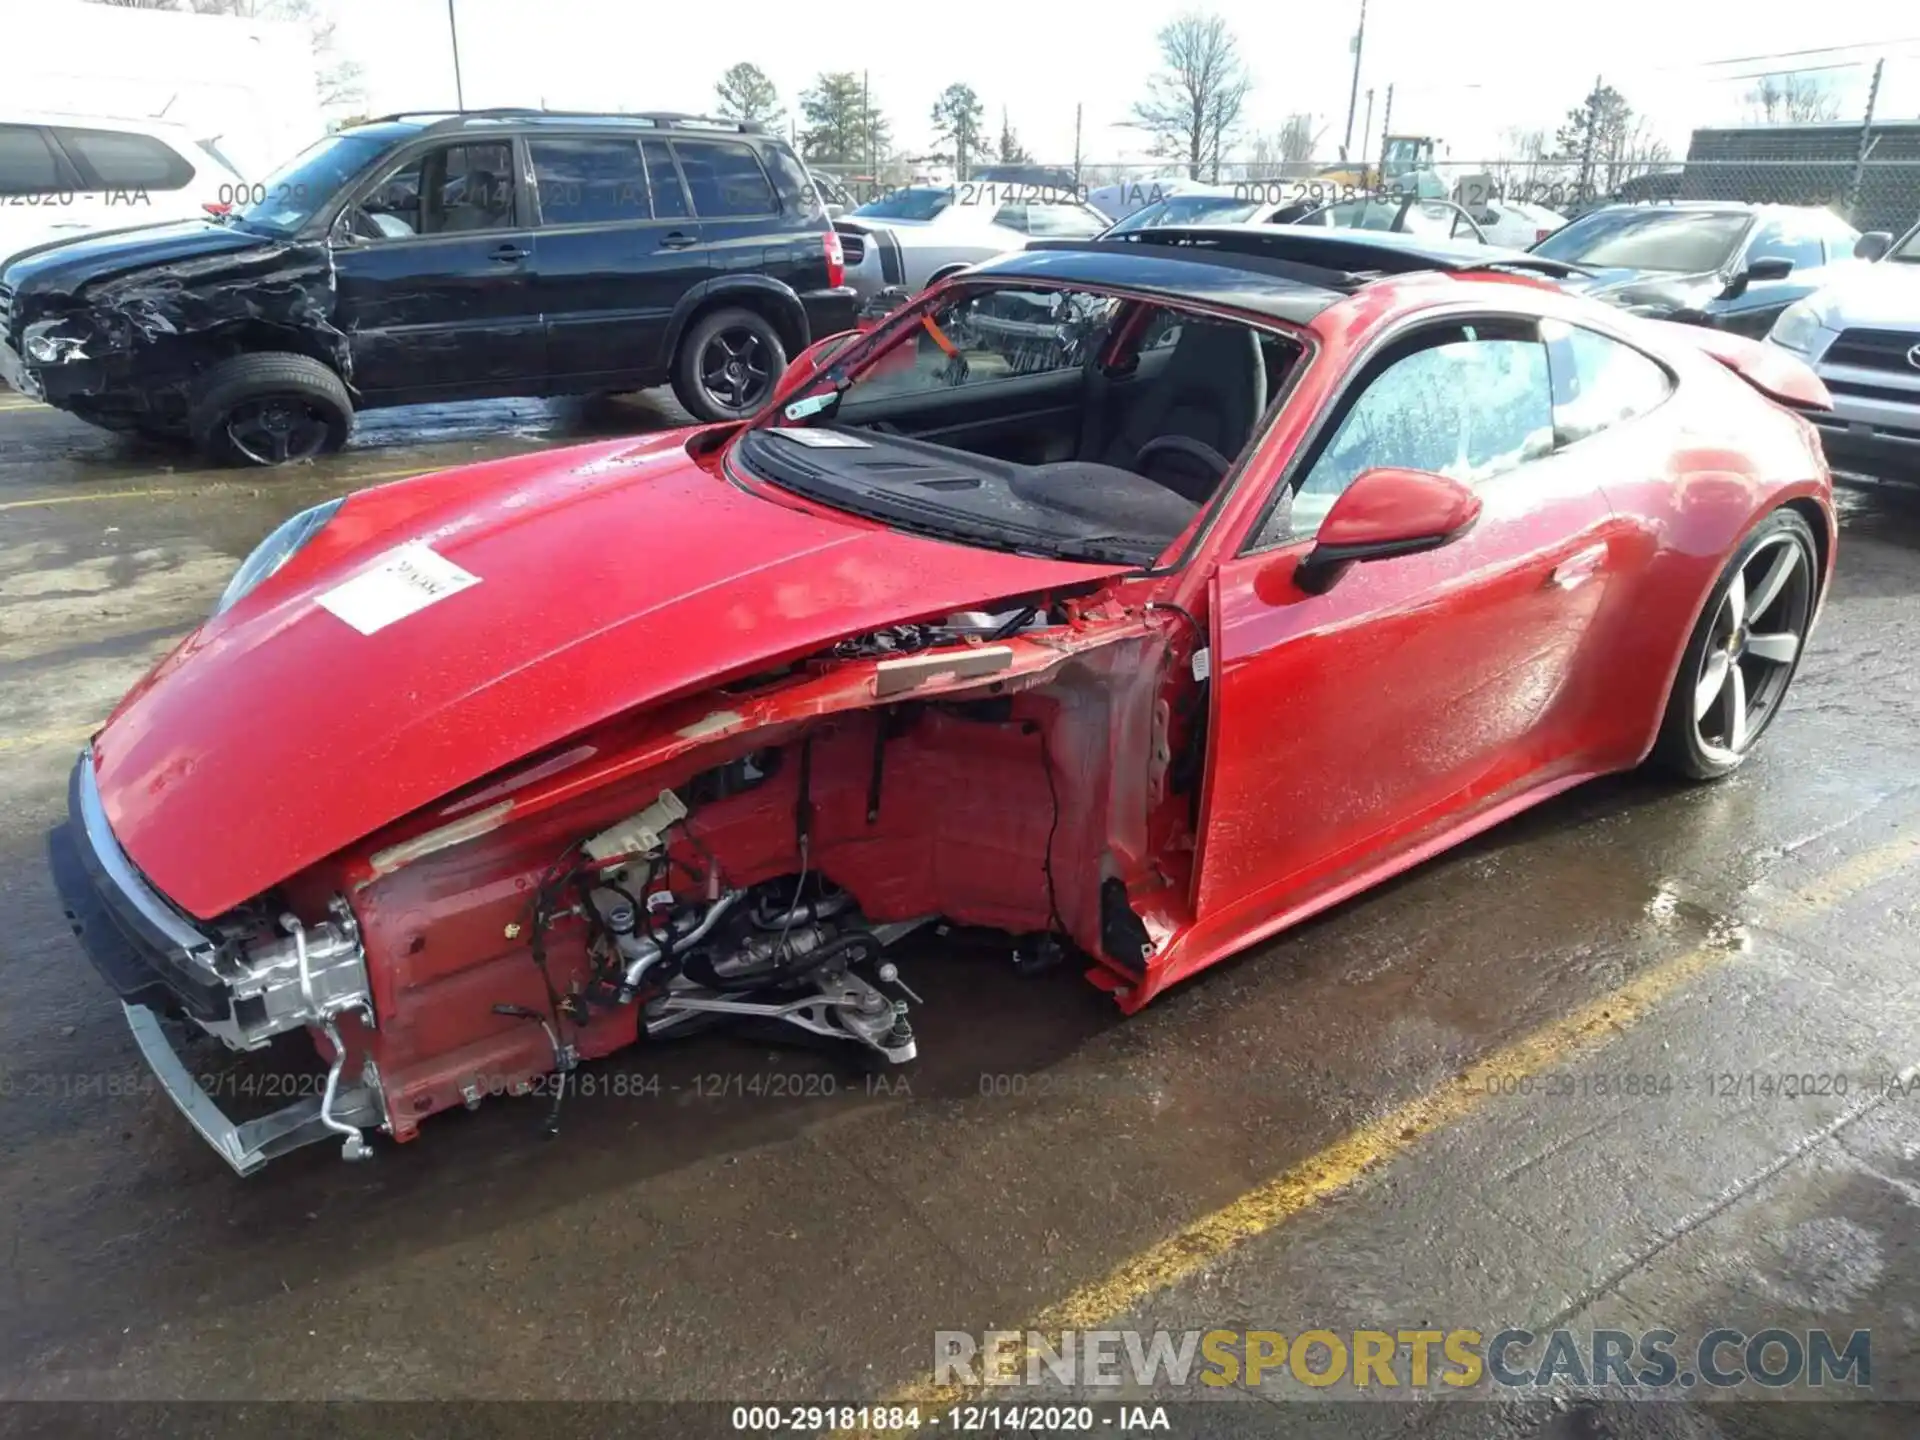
1383 513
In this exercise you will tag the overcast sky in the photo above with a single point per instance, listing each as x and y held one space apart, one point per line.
1460 72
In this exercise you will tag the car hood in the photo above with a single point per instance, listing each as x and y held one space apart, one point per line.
63 266
1884 296
1661 290
610 577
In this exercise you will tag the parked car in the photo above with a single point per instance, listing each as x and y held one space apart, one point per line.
1121 199
1731 266
1516 224
924 233
1404 215
1082 647
429 257
1862 336
63 176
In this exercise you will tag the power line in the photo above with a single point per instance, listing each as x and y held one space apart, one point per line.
1879 45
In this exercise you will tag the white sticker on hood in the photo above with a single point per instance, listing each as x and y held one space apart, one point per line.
404 582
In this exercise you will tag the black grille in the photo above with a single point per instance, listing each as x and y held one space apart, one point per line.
1877 392
853 247
6 311
1874 349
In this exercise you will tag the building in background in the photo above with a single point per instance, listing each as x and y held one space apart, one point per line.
246 87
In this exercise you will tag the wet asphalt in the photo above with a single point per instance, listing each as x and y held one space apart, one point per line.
732 1222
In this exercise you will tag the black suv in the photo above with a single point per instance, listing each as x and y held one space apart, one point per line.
440 257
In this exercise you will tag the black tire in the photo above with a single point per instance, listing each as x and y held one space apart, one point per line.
727 364
1694 746
269 409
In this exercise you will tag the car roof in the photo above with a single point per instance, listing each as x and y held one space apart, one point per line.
1285 272
457 121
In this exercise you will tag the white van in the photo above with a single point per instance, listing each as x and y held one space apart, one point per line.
64 176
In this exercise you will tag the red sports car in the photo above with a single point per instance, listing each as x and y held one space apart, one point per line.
1139 597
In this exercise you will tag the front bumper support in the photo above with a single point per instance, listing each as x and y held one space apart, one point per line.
249 1145
158 961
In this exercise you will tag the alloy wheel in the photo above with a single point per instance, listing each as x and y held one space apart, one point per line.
1752 646
277 429
734 369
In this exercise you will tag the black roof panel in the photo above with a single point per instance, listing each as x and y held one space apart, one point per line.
1293 293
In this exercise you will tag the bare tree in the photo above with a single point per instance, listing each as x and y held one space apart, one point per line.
1298 139
1193 103
338 78
1791 98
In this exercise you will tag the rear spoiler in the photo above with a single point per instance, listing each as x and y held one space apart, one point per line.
1774 372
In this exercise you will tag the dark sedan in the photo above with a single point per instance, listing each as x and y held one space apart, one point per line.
1734 267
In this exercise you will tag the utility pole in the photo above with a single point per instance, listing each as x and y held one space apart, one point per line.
1076 147
1366 130
1386 129
1866 140
1353 93
866 123
453 29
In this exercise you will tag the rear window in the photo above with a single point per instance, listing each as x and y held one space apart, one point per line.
27 165
583 182
117 160
908 205
725 178
791 178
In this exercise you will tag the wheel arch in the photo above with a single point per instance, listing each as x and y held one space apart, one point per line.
776 302
1807 505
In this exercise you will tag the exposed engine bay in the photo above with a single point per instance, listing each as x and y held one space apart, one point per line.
748 860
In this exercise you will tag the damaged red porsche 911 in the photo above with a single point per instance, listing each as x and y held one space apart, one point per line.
1147 595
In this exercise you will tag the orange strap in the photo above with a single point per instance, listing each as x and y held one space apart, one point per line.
940 337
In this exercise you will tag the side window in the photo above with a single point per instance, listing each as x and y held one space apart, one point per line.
28 165
117 160
663 182
725 178
1014 217
1597 382
1062 221
582 182
1786 240
1464 405
454 189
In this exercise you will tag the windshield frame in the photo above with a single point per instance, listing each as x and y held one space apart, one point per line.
319 214
1656 215
845 367
1132 225
1905 250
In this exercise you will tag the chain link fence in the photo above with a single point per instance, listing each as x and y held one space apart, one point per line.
1870 194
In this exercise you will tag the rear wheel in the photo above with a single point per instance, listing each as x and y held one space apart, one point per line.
270 409
1744 651
728 364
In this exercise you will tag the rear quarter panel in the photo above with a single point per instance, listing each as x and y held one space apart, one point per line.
1704 469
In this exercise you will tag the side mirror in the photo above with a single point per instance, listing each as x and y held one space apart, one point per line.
1386 512
1771 267
1873 245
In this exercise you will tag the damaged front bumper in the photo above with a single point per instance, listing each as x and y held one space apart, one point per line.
159 961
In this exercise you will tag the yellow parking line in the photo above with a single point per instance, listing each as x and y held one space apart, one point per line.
1334 1169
